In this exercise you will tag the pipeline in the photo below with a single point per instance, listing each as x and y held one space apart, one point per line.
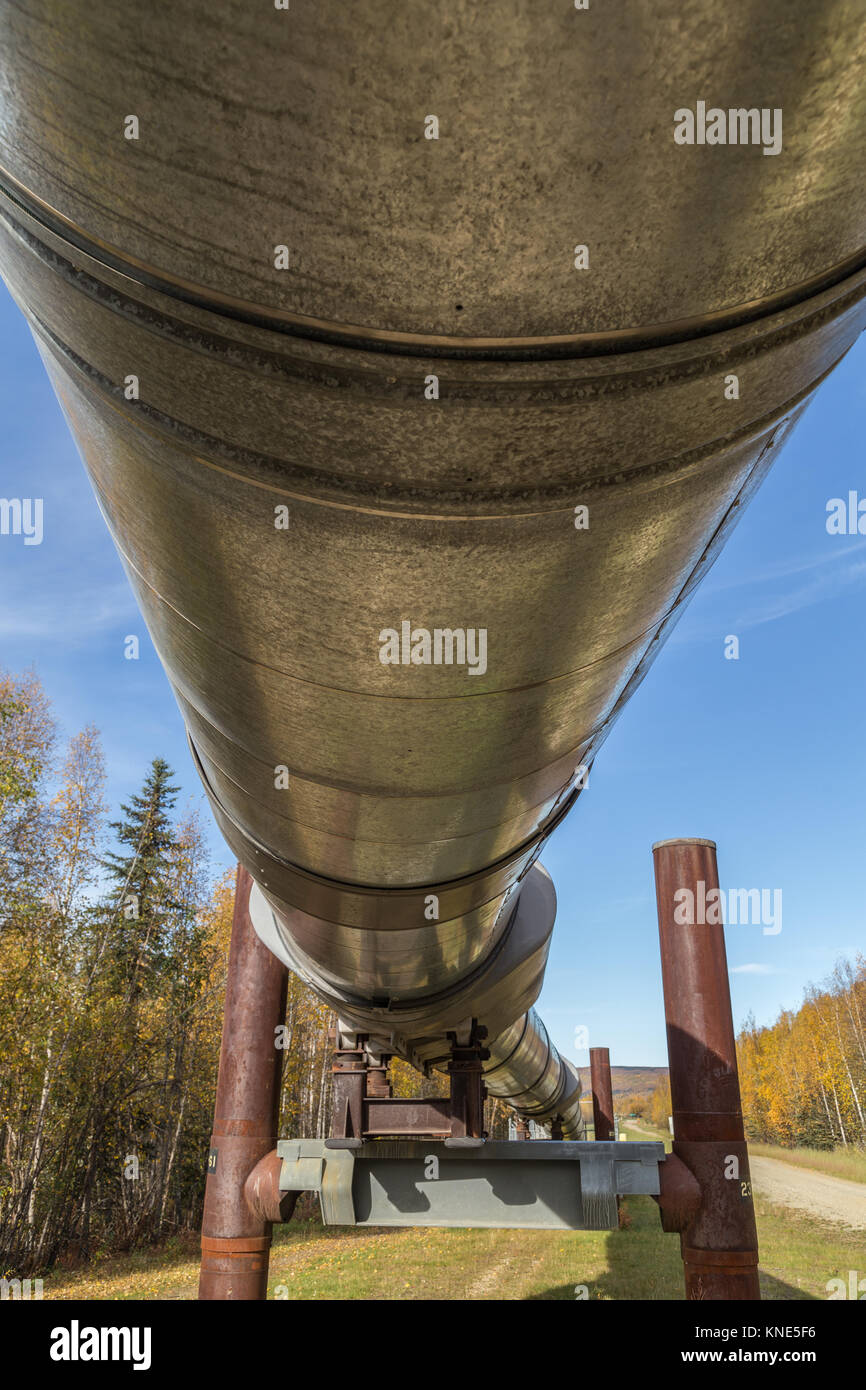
422 358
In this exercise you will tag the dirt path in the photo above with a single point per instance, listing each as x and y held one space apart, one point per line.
501 1276
820 1194
831 1199
491 1281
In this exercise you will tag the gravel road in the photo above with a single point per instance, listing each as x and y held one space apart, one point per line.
831 1199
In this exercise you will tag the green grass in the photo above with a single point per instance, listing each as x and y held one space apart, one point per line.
308 1262
838 1163
798 1255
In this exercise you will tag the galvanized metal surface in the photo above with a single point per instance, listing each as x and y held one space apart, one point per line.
546 1185
556 126
527 1070
304 389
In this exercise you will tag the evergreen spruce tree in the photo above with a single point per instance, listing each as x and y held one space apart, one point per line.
140 898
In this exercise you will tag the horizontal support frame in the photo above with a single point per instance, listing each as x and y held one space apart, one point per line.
545 1185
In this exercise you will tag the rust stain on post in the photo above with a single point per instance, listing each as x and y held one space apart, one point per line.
602 1092
720 1243
235 1237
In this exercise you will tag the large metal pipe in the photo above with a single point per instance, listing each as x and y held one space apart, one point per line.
526 1070
340 386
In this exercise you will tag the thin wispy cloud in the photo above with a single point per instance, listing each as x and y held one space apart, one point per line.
753 968
831 576
822 589
67 618
784 569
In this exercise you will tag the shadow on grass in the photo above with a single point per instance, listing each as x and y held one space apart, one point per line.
644 1265
609 1288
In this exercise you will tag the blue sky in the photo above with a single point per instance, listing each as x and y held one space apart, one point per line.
764 754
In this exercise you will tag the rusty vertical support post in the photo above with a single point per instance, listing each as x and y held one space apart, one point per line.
379 1079
349 1083
602 1092
236 1241
720 1245
466 1074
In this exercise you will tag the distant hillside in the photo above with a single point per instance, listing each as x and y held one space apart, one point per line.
628 1081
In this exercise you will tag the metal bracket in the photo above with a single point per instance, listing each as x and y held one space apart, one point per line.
308 1166
547 1185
